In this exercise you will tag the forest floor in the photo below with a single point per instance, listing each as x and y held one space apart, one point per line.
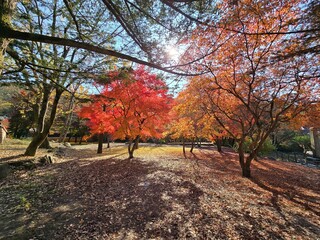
157 195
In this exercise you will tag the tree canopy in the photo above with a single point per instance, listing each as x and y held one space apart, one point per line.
132 108
249 65
140 29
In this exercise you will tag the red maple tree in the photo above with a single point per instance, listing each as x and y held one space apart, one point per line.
132 108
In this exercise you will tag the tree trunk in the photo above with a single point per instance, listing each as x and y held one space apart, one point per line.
136 142
66 128
108 141
192 146
131 154
130 149
133 146
183 147
219 144
100 142
67 124
199 142
36 141
246 172
245 163
44 126
6 12
242 159
45 144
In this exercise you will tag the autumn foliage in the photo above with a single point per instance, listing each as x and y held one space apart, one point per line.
253 82
251 85
190 121
131 108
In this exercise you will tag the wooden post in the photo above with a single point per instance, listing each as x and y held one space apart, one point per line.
3 133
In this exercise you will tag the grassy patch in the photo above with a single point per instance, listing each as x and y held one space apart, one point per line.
13 141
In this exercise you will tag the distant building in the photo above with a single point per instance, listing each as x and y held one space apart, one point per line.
315 141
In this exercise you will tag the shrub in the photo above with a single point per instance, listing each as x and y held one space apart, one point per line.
267 147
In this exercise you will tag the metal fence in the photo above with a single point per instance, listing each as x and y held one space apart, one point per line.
297 157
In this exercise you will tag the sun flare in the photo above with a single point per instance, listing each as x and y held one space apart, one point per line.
172 52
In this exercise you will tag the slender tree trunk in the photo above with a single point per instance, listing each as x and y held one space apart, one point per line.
67 124
133 146
43 125
192 145
241 158
199 142
130 149
100 142
219 144
184 147
108 141
66 128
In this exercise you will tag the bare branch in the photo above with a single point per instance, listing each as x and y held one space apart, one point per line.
10 33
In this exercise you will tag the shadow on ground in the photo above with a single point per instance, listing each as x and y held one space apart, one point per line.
297 184
117 198
281 186
108 198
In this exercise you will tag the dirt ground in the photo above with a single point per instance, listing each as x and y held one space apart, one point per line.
157 195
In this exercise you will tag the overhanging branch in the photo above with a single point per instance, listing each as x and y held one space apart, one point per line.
7 32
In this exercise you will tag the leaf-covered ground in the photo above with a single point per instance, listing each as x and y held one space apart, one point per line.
157 195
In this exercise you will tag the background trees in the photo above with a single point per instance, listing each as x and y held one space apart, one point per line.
47 71
186 121
191 122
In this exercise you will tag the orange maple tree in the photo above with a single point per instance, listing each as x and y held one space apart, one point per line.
191 121
250 88
186 119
